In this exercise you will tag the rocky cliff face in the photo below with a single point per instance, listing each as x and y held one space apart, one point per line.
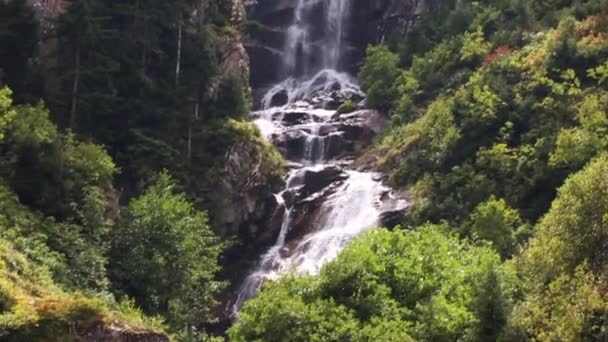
245 191
118 333
371 21
49 8
246 201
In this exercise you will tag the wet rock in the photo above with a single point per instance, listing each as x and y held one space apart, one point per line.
315 180
295 118
292 144
294 165
326 129
337 146
273 225
379 177
372 119
279 99
333 104
392 218
289 198
306 212
393 206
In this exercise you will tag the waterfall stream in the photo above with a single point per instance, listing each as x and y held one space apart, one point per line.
325 204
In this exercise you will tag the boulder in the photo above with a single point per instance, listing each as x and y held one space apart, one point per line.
337 146
369 118
295 118
306 212
393 205
291 143
279 99
315 180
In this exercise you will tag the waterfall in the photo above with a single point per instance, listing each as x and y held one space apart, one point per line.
254 280
302 48
312 63
349 212
338 15
329 205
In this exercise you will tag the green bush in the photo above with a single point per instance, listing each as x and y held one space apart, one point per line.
347 107
144 263
387 286
378 76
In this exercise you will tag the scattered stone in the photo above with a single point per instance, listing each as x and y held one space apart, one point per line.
279 99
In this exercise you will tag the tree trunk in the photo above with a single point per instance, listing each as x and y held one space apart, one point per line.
75 86
189 153
179 53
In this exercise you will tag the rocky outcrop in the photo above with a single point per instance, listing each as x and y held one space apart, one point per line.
371 21
235 62
248 213
340 137
245 197
49 8
245 204
119 333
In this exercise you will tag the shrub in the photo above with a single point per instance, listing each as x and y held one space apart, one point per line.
347 107
378 76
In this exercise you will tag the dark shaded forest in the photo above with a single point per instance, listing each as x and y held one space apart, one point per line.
115 118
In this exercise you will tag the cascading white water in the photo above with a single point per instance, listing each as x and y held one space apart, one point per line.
352 202
297 40
338 14
352 210
352 206
323 82
306 54
311 64
254 280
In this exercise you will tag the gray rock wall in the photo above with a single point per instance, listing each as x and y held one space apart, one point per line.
268 21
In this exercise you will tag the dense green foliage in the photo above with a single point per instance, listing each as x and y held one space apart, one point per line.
564 265
387 286
477 112
146 80
55 223
34 308
146 266
96 100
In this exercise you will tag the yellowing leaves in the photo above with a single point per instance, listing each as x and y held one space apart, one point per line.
474 46
7 113
593 33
